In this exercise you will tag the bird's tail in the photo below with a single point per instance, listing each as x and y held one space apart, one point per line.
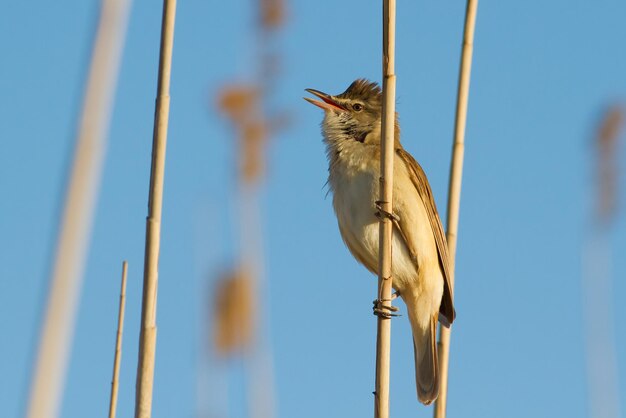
425 349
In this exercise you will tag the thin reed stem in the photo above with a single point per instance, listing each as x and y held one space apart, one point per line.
147 339
48 380
118 343
454 191
383 337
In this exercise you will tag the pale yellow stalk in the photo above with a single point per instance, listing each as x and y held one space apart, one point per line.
57 331
383 337
147 339
118 344
454 190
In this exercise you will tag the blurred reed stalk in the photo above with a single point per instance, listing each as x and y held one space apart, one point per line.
118 343
147 338
597 276
239 314
48 379
454 191
383 335
261 395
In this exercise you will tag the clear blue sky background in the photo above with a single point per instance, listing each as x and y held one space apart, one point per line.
543 71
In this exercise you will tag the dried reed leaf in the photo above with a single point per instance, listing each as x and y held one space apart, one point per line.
233 313
606 142
272 13
610 127
237 101
254 136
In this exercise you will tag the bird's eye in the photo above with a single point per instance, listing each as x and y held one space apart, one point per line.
357 107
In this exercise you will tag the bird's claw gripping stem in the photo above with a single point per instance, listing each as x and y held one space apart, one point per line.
385 311
381 212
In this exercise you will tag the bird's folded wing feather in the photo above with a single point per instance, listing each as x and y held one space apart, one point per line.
418 178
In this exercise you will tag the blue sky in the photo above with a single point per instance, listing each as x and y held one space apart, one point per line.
543 72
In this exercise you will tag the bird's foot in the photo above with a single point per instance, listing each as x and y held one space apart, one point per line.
385 311
383 213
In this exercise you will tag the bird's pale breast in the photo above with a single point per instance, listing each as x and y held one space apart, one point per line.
355 188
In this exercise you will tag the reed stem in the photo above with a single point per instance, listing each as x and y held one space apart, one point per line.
147 339
48 379
118 344
454 191
383 337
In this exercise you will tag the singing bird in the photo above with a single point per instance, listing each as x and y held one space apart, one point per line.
420 265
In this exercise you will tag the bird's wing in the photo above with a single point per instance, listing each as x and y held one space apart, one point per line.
418 178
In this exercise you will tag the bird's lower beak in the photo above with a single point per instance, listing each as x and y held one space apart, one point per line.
328 103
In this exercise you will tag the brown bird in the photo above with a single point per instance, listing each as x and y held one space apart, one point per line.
421 270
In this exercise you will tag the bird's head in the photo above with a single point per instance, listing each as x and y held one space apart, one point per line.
354 115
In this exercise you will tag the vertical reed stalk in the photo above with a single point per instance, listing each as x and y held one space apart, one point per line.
118 343
454 190
48 379
598 282
383 337
147 339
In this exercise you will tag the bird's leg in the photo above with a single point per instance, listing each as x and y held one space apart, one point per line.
385 311
380 309
381 212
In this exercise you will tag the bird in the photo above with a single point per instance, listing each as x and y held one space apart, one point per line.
421 271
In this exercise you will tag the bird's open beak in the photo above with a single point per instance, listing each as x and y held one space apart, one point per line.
328 102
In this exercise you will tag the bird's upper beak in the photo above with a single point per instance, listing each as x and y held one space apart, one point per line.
328 103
